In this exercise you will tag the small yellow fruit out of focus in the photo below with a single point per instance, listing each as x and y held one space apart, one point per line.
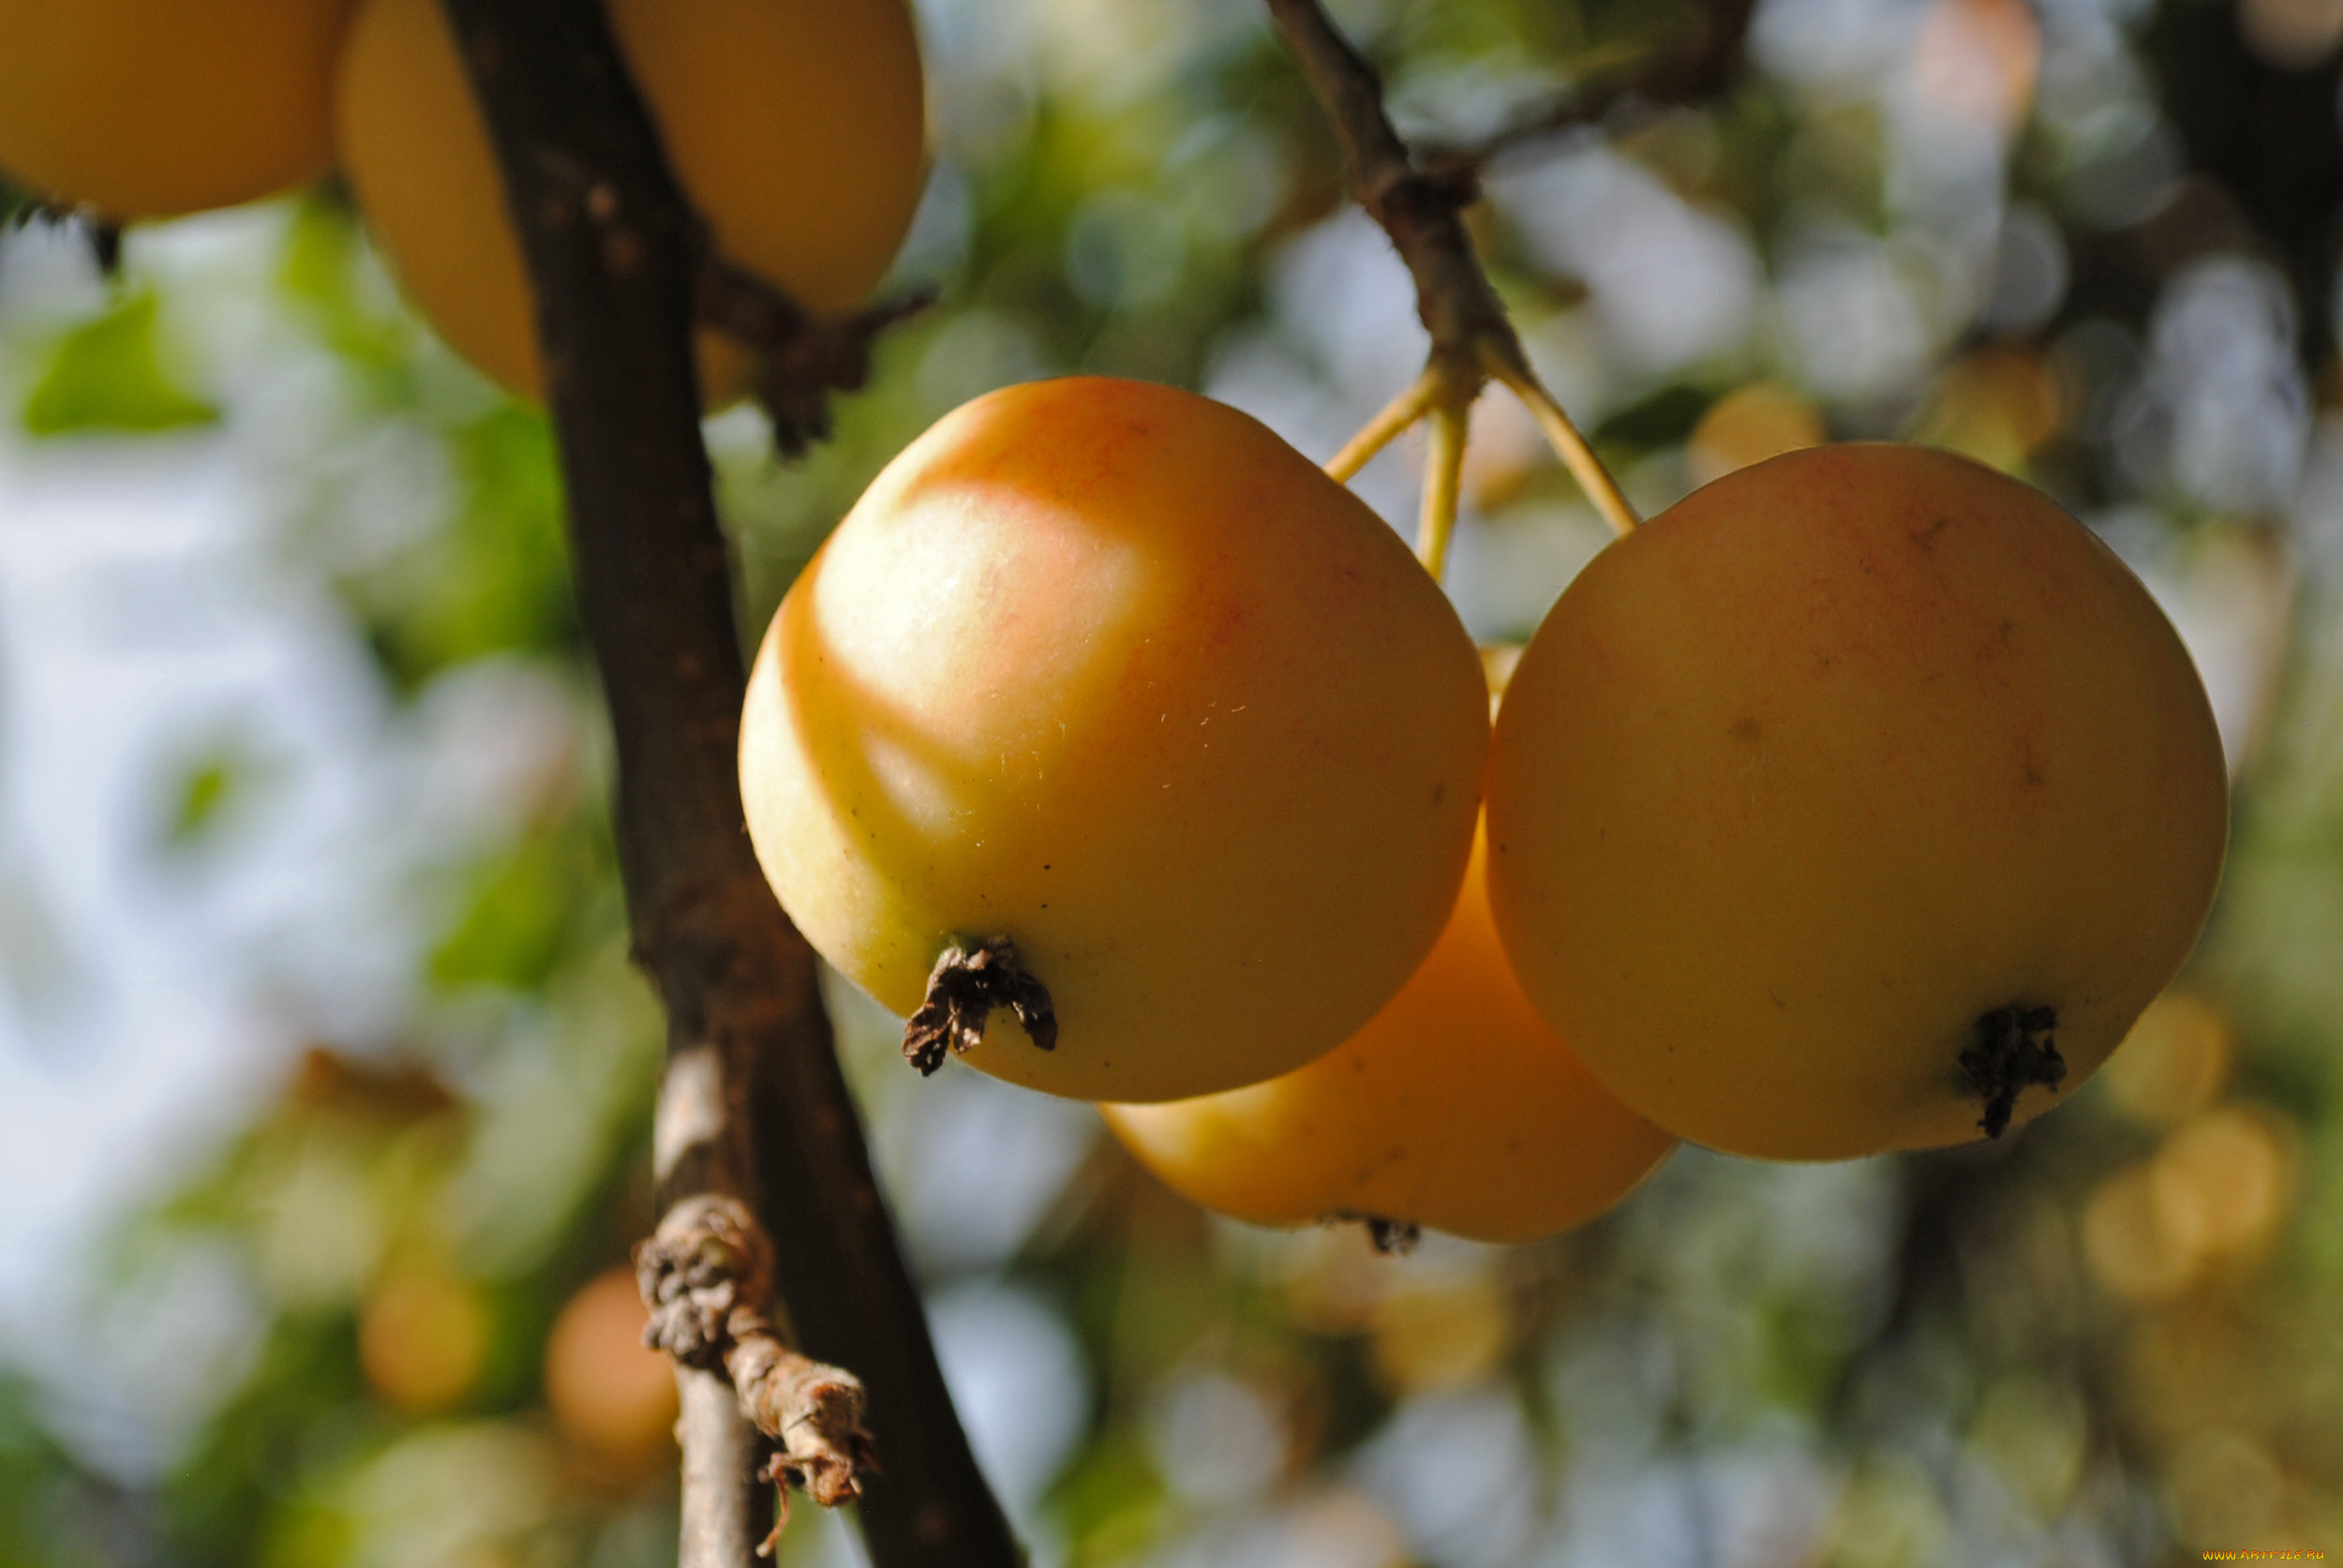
1828 802
154 108
2216 1193
1109 669
1750 424
1458 1107
1440 1334
421 1336
610 1394
2173 1063
796 129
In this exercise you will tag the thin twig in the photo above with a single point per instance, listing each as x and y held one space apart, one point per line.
1419 203
1571 447
1598 82
1384 428
1421 212
1691 70
1423 215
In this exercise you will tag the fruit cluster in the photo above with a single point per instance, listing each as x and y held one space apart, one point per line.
1859 802
767 109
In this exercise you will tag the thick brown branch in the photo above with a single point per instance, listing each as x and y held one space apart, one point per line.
753 1105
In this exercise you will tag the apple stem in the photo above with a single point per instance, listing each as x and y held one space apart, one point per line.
1380 431
1443 474
1571 447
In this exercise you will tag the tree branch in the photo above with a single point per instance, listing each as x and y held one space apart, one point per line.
1699 66
1419 203
1422 212
801 358
753 1109
707 1275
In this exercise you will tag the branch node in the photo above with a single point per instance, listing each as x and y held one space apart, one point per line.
963 988
1417 196
708 1259
801 358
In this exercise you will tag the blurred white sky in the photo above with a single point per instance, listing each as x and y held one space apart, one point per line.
149 998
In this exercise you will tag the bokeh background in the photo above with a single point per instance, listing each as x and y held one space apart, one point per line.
325 1085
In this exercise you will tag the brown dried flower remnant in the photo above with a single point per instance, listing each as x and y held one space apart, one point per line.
963 988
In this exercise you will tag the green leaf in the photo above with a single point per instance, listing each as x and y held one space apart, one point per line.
523 913
495 577
109 375
1110 1502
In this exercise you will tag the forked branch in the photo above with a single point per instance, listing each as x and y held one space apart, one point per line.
1419 203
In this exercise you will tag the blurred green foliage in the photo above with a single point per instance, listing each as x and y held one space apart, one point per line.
108 374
